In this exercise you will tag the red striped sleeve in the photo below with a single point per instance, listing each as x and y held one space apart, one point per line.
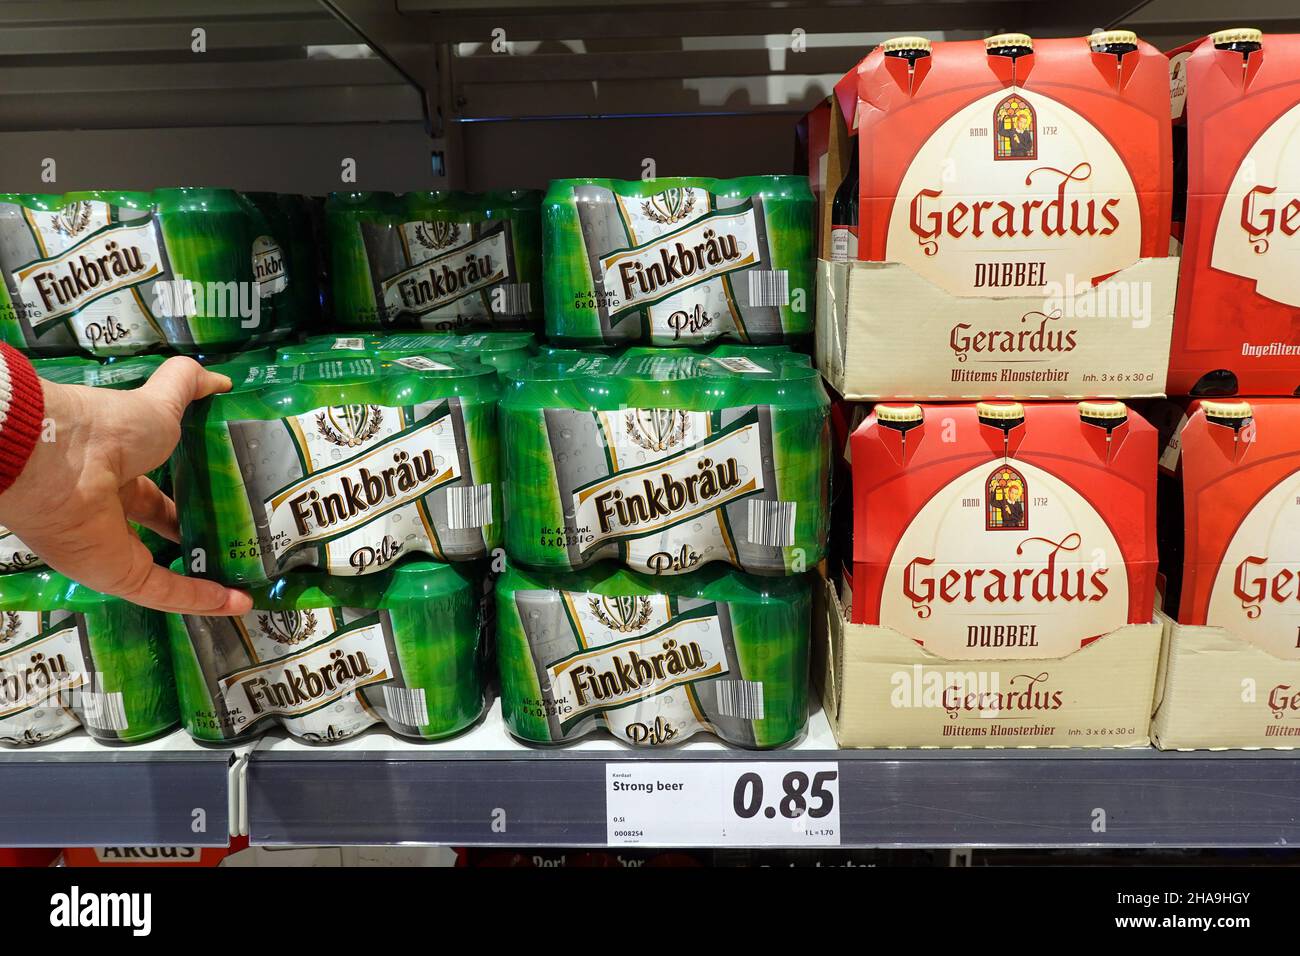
22 409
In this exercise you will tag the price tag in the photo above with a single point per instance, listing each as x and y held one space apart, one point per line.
723 803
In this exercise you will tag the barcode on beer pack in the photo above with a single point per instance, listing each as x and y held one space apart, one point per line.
771 523
740 364
769 287
351 345
513 298
104 710
740 698
469 506
407 705
422 364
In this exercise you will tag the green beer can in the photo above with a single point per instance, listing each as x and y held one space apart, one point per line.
61 363
738 358
653 660
666 462
123 373
504 351
347 218
235 364
680 261
214 238
72 657
341 466
328 345
327 657
439 261
283 264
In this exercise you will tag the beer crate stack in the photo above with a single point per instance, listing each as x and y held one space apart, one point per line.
369 602
665 503
620 486
99 286
229 279
1230 467
995 290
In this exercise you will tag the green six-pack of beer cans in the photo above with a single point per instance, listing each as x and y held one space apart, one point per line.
616 522
111 273
662 507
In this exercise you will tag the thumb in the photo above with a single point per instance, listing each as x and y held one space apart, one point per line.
179 381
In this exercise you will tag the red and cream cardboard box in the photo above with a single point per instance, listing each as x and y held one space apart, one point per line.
882 689
1237 322
1232 660
1000 527
1003 581
1014 219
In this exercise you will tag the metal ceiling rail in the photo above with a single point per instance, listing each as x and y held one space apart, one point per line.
607 22
654 65
101 64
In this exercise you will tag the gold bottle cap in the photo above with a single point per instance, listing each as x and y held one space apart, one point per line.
905 43
899 413
1009 39
1236 35
1227 410
1114 410
1004 411
1109 37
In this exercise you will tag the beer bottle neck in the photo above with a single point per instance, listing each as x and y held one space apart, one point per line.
1244 47
911 56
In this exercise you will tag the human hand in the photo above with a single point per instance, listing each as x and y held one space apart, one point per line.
73 499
